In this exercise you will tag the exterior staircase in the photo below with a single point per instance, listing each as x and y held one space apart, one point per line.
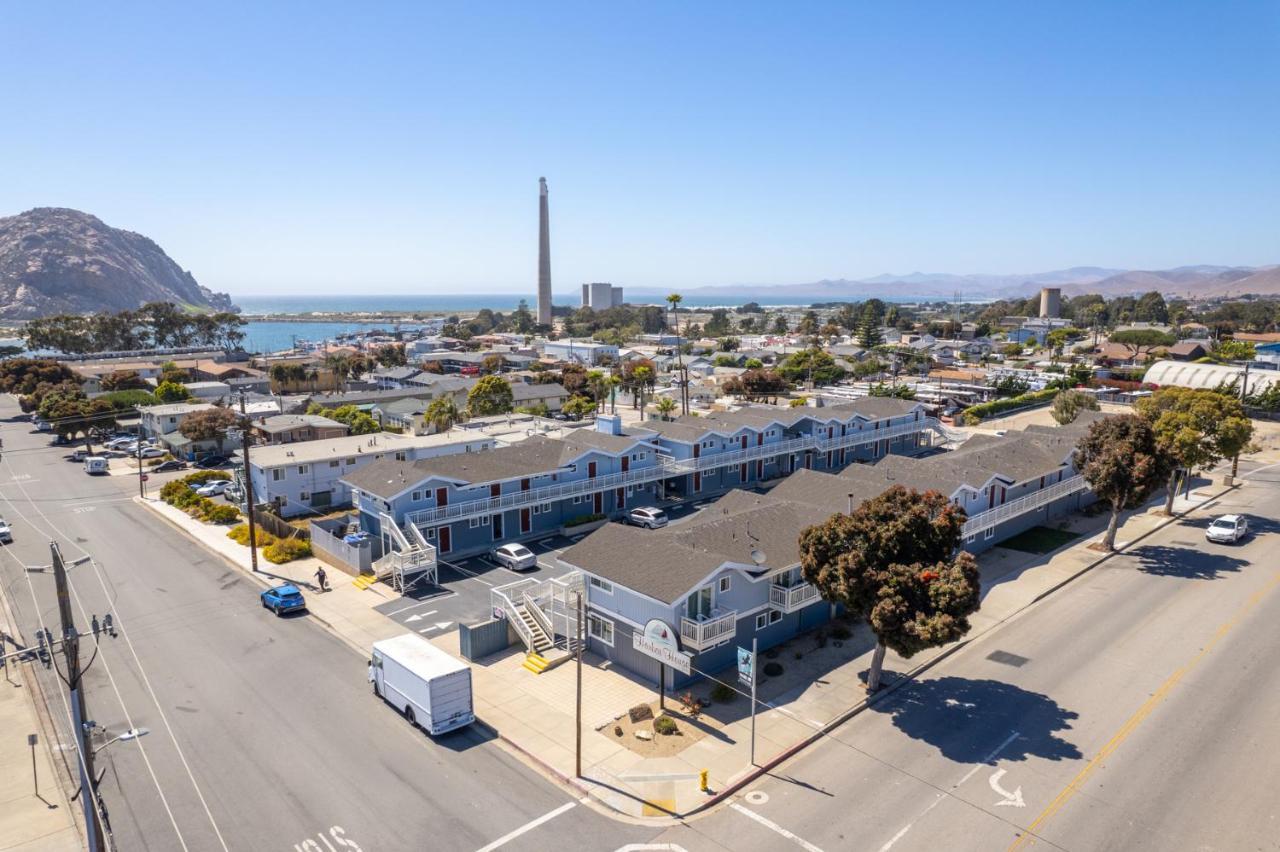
541 641
364 581
538 663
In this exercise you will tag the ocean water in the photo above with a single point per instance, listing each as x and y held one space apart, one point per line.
504 302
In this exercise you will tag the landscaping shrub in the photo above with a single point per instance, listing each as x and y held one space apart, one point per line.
221 513
840 631
199 507
240 535
664 725
200 477
286 549
773 669
974 414
171 491
690 704
582 519
722 693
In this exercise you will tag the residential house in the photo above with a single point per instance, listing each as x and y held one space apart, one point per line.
292 428
525 395
160 420
306 477
1188 350
588 352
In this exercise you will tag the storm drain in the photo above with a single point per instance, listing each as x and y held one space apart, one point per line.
1007 659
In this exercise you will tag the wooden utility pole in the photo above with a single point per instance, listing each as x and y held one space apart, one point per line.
79 718
142 482
245 440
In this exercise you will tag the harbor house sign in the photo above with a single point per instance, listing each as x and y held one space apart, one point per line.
658 640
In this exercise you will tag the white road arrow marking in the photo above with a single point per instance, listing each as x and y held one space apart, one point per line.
1013 799
411 619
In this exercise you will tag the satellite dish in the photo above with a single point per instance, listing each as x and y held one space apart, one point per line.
757 556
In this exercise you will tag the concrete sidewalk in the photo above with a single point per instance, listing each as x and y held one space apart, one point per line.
30 822
820 687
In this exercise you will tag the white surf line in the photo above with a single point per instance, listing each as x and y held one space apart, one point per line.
141 670
527 827
773 826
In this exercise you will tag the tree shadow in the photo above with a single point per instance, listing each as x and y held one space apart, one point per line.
966 719
1185 562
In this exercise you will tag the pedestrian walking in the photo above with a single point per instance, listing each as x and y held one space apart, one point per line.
321 577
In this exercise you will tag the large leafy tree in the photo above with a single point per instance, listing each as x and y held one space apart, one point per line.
811 364
1196 428
895 560
121 380
869 335
23 375
172 392
1123 464
491 395
1136 340
1068 404
211 424
74 416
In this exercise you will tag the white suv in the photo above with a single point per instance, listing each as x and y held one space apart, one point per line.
1228 529
647 517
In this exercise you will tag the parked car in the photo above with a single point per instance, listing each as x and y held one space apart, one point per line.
96 465
647 517
171 464
212 461
1228 529
6 534
121 442
79 455
283 598
213 487
151 453
517 557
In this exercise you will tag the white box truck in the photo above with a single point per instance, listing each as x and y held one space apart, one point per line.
95 465
431 688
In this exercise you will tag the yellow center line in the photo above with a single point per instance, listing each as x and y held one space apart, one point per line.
1140 715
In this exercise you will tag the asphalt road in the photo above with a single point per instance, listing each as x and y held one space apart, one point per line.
263 731
1132 710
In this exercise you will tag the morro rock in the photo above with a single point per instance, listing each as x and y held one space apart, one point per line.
54 260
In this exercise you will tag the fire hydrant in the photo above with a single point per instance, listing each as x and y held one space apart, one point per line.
702 781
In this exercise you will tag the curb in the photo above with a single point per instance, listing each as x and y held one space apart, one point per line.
248 572
792 750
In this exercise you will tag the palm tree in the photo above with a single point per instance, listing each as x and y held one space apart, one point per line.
674 301
596 382
443 413
641 377
665 406
614 381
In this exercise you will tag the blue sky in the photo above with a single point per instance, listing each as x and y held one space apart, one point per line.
339 148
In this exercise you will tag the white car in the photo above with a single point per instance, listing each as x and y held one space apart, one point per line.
6 534
517 557
1228 529
151 453
120 443
647 517
213 487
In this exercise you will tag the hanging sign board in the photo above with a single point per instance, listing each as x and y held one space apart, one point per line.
746 666
658 640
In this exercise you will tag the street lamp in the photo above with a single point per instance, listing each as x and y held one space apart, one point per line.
131 734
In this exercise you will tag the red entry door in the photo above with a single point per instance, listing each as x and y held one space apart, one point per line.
495 490
591 470
446 541
744 442
626 463
526 521
442 496
597 503
621 500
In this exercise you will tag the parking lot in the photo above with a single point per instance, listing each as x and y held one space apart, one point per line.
463 593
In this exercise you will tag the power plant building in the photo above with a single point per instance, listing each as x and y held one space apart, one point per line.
600 295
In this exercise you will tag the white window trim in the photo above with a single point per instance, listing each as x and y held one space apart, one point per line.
603 585
775 615
989 534
473 522
596 618
762 621
724 585
546 508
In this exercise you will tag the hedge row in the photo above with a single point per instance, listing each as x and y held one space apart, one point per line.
975 414
179 494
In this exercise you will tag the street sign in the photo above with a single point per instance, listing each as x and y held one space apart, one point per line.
145 477
658 640
746 666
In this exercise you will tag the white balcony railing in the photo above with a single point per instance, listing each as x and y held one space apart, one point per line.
1015 508
791 598
706 632
665 468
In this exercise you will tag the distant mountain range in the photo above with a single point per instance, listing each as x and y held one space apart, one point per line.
1194 282
55 260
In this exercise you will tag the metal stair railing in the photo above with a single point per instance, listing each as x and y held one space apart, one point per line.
503 598
534 609
991 517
